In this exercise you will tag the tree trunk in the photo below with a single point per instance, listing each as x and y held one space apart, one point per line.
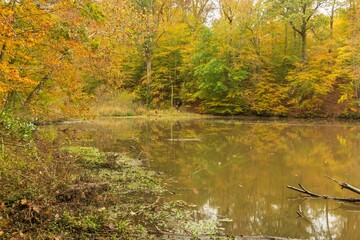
148 77
332 14
303 42
2 52
10 102
286 40
35 91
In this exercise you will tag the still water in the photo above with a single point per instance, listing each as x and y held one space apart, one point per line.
238 169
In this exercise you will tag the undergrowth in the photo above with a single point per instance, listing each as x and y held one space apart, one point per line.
51 190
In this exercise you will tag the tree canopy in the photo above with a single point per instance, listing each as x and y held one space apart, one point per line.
267 57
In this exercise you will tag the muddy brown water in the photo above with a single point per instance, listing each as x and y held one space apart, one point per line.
238 169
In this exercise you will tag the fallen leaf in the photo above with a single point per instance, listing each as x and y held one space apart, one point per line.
101 209
195 191
111 226
23 201
2 233
35 209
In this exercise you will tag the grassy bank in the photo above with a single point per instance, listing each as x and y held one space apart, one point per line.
107 104
52 189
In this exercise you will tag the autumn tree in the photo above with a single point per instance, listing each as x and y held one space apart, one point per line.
41 42
299 14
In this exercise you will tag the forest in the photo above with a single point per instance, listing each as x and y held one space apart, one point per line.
297 58
184 170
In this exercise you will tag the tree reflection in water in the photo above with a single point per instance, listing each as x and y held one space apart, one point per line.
240 168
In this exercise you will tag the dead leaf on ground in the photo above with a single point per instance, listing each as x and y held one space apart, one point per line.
35 208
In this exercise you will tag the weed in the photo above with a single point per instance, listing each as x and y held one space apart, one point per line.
9 125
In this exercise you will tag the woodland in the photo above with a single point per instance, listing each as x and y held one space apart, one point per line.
296 58
76 59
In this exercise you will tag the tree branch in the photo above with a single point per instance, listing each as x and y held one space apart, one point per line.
345 185
294 27
307 192
315 9
36 90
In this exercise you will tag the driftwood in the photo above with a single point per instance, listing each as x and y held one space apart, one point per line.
347 186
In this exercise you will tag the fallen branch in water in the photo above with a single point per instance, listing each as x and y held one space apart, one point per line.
303 190
345 185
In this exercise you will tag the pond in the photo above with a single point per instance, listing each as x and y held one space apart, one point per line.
238 169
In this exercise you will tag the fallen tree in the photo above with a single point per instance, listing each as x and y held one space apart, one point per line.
344 185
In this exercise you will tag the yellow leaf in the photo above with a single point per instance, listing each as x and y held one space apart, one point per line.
23 201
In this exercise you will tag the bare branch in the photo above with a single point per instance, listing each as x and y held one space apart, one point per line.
307 192
313 12
294 27
345 185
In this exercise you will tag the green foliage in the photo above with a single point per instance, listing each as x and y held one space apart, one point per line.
88 155
220 86
93 11
15 127
213 77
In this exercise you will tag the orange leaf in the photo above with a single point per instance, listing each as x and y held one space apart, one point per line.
23 201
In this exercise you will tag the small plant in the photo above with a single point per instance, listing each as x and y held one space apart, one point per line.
9 125
123 226
92 223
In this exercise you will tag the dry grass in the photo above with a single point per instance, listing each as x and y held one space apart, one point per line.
116 104
123 105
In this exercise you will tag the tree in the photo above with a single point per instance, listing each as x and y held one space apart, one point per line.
299 14
41 41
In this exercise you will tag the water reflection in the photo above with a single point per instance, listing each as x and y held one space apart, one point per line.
238 169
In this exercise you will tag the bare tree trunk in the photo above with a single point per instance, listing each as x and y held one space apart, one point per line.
332 18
